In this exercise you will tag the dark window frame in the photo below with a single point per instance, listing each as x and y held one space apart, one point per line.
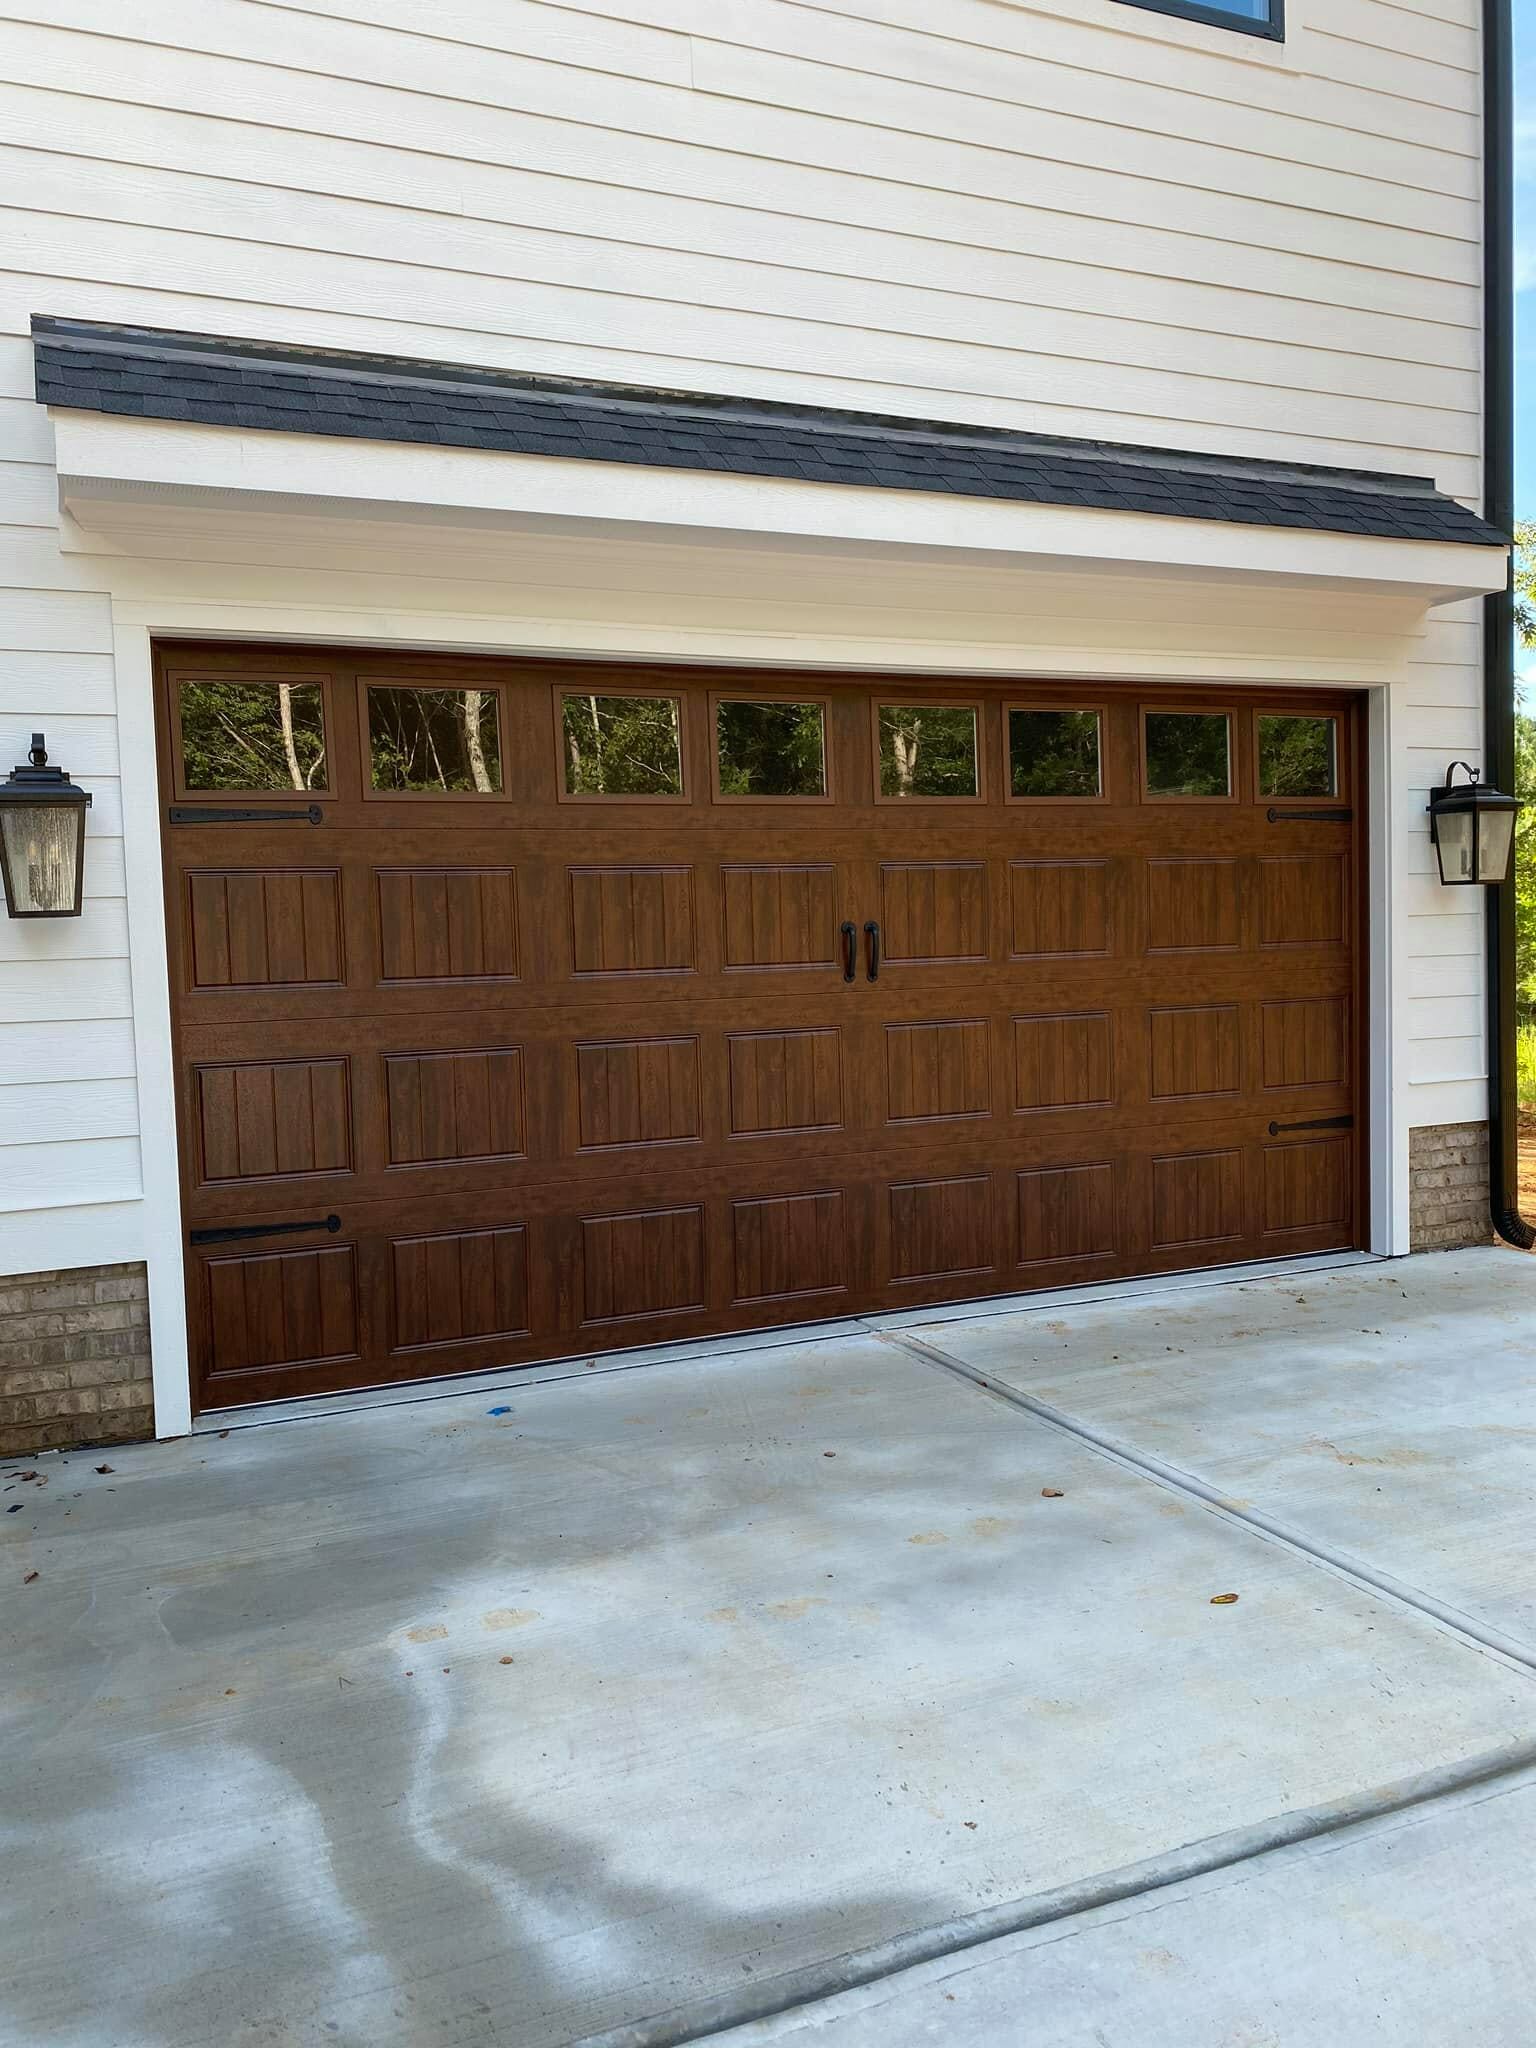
1214 16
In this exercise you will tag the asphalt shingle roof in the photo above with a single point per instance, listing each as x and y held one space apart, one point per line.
217 381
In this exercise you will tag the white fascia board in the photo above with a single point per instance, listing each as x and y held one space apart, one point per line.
100 455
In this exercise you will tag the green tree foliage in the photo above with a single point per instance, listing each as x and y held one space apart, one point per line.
1525 780
252 736
434 739
1296 756
927 750
1187 753
622 746
1053 753
771 749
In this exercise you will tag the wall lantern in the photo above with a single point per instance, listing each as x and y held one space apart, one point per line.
42 838
1473 827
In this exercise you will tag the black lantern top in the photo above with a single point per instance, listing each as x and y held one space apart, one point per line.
1473 827
42 838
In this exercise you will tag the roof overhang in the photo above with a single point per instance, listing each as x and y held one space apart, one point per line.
113 470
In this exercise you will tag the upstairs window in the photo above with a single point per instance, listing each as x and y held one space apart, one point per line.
1253 17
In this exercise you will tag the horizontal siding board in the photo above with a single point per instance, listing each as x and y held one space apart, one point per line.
557 147
100 1049
58 991
152 257
32 682
119 140
365 60
693 289
1098 36
56 1175
1069 102
100 932
68 1109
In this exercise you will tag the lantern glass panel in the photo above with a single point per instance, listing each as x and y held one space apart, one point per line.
42 856
1455 838
1496 833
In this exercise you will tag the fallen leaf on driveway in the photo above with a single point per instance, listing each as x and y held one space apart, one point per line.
104 1468
1224 1600
1052 1493
28 1577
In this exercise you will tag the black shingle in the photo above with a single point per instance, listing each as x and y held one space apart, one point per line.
223 382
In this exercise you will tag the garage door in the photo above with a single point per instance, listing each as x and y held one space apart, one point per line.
525 1011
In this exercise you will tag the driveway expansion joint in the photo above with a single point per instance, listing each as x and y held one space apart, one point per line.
1475 1634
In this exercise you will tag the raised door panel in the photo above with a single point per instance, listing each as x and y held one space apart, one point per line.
1305 1043
941 1229
1060 909
637 1092
1066 1213
784 1081
249 929
444 1106
1195 1051
1197 1199
459 1286
633 920
274 1309
642 1263
1063 1062
272 1119
784 1246
447 924
933 913
1193 906
937 1070
779 916
1307 1186
1301 899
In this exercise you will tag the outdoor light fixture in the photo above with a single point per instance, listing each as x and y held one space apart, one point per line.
1473 827
42 838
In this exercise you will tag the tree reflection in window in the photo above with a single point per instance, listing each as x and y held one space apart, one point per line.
928 750
771 749
1188 753
621 746
1297 757
252 735
1053 753
437 740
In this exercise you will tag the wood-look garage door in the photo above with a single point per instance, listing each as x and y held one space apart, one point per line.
525 1010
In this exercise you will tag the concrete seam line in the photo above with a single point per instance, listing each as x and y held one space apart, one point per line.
1149 1466
861 1967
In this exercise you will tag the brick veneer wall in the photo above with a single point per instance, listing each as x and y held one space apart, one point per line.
74 1359
1448 1187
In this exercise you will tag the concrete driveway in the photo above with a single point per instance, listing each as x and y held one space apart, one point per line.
879 1686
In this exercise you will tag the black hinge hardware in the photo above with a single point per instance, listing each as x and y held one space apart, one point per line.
1341 816
209 814
235 1230
1316 1123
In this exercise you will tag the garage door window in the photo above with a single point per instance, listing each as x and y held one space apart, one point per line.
621 745
928 750
252 735
1188 753
770 749
1298 756
437 742
1053 753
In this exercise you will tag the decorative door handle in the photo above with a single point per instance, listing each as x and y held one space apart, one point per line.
850 936
872 938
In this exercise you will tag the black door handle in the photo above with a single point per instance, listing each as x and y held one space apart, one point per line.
850 934
872 935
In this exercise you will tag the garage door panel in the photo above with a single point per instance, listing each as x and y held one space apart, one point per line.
447 924
573 1074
